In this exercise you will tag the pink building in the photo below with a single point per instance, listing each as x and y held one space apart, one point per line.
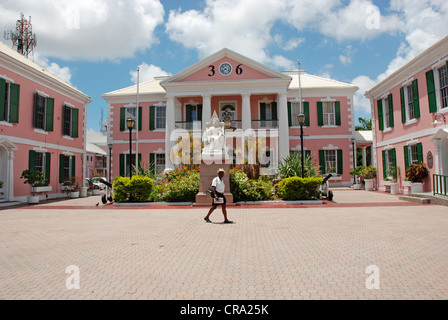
42 126
409 111
249 95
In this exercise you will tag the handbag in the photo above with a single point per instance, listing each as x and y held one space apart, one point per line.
210 192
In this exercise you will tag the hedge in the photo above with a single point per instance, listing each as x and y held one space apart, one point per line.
136 189
296 188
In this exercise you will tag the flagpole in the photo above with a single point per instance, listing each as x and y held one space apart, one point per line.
137 113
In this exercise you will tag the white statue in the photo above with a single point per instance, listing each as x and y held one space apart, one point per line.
214 139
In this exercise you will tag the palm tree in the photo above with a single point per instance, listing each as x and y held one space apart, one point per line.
364 124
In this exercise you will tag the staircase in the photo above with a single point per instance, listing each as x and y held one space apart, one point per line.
425 198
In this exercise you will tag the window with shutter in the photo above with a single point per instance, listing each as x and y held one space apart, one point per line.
380 114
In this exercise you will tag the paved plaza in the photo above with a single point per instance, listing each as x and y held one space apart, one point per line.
301 252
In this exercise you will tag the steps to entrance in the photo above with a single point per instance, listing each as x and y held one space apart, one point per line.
425 198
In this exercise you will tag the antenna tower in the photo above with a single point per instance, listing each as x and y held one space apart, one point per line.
23 39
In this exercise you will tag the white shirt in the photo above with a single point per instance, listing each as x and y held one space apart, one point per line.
218 184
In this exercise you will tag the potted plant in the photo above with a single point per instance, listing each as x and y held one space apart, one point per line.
72 187
369 175
416 173
37 182
357 173
392 173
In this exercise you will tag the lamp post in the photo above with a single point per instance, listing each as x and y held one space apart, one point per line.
301 121
110 159
352 139
130 123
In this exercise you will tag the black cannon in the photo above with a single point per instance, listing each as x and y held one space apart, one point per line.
325 188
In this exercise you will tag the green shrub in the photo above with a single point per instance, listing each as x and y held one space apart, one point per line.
291 166
136 189
179 185
295 188
245 189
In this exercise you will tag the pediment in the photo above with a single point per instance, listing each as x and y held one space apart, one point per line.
226 65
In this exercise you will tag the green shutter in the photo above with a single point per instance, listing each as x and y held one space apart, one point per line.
406 157
47 166
2 99
394 160
431 91
152 117
340 162
188 116
15 101
320 113
391 110
122 119
36 98
307 154
380 114
274 111
289 115
262 111
139 161
384 164
75 121
152 162
306 109
32 160
322 161
199 112
49 115
61 168
416 98
121 165
73 166
139 118
403 105
337 107
420 152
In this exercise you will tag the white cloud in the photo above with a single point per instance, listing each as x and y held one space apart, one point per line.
240 25
347 58
63 73
147 73
423 24
87 29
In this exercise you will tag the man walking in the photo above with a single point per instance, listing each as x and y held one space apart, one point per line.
218 187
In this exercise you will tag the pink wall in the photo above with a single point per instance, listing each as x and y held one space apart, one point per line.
247 73
400 130
24 130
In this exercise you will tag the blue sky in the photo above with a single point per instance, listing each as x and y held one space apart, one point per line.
96 45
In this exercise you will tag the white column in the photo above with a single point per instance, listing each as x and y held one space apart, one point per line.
206 109
246 119
9 183
170 126
364 160
283 128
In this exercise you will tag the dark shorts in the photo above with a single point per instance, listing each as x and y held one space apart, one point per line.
220 195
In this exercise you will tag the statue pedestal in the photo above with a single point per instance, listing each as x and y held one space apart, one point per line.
209 171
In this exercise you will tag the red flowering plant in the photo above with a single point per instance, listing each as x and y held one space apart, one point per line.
417 172
72 184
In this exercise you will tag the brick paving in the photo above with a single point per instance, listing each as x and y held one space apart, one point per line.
269 253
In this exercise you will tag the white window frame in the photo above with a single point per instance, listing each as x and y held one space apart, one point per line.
45 110
297 108
128 114
328 116
412 149
157 118
409 101
389 162
158 167
439 89
335 172
386 114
